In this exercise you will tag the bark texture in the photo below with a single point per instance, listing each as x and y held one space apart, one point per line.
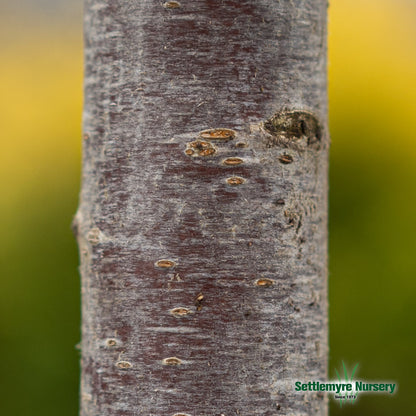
202 221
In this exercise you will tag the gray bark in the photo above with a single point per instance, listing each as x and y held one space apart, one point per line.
202 220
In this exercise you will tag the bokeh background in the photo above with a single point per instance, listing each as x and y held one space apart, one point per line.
372 284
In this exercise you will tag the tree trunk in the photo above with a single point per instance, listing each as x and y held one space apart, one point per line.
202 221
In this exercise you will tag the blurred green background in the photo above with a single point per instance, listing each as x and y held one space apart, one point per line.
372 282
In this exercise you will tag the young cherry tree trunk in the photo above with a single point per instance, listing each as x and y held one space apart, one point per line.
202 221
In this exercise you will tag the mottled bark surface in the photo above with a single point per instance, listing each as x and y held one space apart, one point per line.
202 221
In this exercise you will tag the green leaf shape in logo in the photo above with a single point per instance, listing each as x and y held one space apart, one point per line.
347 379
